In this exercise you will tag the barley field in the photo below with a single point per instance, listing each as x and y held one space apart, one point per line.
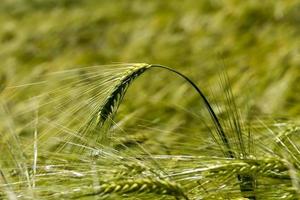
137 100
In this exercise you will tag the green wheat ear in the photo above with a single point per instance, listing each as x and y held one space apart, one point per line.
113 101
128 187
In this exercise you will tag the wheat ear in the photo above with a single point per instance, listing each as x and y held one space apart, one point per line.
113 101
137 186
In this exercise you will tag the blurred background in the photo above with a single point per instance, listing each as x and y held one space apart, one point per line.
257 42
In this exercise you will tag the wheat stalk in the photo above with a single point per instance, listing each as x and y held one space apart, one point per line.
114 99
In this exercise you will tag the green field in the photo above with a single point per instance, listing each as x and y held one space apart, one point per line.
214 114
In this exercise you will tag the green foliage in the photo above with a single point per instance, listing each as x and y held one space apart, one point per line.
91 132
